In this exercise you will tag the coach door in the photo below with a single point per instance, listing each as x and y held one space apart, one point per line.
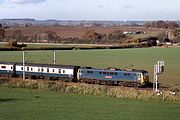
75 72
14 70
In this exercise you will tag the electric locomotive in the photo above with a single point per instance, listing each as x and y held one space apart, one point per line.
113 76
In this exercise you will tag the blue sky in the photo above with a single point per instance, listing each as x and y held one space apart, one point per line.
91 9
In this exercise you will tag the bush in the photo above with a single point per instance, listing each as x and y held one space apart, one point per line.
14 44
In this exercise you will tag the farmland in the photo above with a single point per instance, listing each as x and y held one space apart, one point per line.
66 32
19 104
82 35
143 58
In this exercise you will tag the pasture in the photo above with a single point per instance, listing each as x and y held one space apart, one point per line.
26 104
142 58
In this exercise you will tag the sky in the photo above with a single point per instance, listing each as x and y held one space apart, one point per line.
115 10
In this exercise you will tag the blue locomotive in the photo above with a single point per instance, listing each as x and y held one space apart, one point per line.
113 76
72 73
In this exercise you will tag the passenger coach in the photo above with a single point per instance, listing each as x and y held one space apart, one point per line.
33 71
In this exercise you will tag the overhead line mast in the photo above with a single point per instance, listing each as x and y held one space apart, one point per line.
54 60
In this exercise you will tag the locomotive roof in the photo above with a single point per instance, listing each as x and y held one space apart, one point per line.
90 68
39 64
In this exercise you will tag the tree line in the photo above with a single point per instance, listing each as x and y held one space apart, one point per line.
163 24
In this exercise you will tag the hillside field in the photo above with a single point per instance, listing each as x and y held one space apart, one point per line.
142 58
66 32
26 104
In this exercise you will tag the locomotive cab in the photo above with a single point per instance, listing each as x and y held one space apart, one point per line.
144 77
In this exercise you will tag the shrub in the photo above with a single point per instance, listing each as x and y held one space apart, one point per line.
90 89
14 44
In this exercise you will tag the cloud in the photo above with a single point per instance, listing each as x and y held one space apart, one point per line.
2 1
127 6
100 6
26 1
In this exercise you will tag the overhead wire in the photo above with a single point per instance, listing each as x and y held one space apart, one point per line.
32 54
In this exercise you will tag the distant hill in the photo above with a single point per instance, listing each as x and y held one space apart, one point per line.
27 21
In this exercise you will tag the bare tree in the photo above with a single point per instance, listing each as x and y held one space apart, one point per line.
2 33
91 35
52 36
17 35
1 25
116 35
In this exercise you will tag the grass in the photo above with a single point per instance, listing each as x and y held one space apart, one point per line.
92 89
137 36
143 58
55 45
25 104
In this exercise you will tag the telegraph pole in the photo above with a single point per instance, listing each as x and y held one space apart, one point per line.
23 65
54 60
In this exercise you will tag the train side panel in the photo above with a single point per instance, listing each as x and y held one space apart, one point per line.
46 71
6 69
109 75
140 76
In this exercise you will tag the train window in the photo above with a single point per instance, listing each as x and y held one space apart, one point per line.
111 73
27 68
104 72
42 69
53 70
100 72
145 74
129 74
63 71
38 69
31 69
125 74
3 67
21 68
11 67
116 74
47 69
139 75
91 72
59 70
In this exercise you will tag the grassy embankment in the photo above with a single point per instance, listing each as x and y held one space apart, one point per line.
90 89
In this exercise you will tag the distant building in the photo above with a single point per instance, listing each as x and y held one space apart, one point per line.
157 41
170 34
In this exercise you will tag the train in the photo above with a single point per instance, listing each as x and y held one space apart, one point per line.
73 73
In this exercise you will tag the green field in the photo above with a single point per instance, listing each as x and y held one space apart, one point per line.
25 104
149 34
142 58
